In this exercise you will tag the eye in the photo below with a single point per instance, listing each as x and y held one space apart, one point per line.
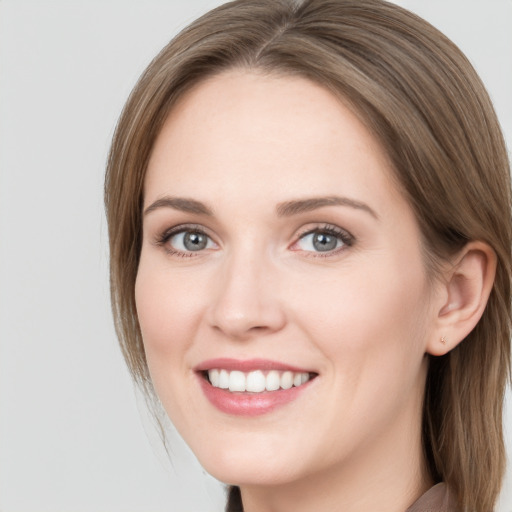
323 240
184 241
190 241
320 242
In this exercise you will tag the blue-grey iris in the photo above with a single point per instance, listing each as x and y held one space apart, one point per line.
195 241
323 242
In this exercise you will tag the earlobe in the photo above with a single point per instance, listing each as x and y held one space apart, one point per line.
466 289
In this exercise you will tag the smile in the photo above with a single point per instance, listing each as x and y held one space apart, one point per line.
251 388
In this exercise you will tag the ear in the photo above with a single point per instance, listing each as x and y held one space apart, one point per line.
462 296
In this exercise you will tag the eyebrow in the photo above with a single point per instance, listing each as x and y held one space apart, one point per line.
290 208
182 204
285 209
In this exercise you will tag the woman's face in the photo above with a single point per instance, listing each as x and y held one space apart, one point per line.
278 252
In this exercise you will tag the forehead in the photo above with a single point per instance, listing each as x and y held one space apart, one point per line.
240 131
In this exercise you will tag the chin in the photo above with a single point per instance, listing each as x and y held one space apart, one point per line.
247 473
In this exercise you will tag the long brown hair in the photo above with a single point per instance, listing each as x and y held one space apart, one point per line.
424 102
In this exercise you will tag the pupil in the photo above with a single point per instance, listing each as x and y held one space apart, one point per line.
194 241
323 242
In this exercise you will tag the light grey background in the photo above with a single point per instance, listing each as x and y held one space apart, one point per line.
72 437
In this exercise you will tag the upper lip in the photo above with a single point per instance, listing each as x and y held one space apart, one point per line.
246 365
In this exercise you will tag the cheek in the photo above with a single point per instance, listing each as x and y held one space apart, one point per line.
371 331
167 310
365 319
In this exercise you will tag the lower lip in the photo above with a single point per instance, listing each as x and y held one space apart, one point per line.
249 404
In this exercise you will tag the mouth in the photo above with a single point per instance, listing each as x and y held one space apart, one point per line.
250 388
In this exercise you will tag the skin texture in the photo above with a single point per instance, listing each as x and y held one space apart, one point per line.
361 316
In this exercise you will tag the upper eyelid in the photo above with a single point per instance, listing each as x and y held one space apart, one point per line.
180 228
311 228
331 228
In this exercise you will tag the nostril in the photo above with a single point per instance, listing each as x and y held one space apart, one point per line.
247 320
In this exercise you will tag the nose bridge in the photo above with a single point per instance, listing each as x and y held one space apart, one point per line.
246 301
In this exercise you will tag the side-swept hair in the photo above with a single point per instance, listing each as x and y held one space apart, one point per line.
421 98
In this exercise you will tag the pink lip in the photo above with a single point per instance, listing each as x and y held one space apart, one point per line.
248 404
248 365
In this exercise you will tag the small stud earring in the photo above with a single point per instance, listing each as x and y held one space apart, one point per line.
443 340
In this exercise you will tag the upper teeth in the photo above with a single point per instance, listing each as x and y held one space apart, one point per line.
256 381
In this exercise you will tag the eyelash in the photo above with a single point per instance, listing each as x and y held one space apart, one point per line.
346 238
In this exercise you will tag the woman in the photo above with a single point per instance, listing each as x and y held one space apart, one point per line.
309 218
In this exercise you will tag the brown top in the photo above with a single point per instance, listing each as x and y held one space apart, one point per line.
436 499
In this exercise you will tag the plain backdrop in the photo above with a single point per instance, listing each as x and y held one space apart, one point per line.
73 434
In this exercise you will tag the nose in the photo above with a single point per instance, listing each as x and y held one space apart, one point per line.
246 300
